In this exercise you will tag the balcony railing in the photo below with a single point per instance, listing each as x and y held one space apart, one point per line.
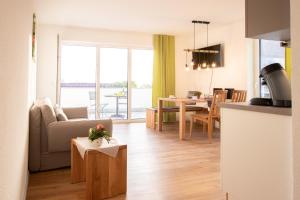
83 94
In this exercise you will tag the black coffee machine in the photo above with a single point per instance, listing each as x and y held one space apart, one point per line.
275 77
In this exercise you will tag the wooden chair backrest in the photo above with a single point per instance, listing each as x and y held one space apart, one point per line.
239 96
219 97
216 89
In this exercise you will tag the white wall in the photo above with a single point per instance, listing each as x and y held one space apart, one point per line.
47 49
17 93
238 70
295 33
237 73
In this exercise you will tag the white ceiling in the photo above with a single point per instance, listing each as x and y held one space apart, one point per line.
151 16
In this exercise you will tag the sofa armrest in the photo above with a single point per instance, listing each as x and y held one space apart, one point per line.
75 113
60 133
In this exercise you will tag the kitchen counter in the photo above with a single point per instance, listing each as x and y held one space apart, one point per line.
262 109
256 152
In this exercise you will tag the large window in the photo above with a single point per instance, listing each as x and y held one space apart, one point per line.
141 82
99 77
113 83
78 77
270 52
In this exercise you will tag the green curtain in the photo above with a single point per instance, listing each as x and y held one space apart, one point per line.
288 62
164 71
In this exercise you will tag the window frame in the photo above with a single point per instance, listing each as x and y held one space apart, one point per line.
98 47
260 65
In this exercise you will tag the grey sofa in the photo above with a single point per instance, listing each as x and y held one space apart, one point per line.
49 139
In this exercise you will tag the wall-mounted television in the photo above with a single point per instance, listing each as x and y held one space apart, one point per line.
209 57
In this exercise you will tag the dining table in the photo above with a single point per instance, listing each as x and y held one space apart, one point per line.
182 102
118 97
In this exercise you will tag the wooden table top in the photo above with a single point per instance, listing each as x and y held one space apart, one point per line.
186 100
121 145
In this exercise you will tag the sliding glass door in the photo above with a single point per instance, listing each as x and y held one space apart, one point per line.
141 82
78 78
113 83
97 77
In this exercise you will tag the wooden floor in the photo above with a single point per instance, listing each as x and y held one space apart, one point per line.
160 167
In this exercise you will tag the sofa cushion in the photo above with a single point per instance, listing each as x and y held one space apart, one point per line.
60 115
47 111
75 113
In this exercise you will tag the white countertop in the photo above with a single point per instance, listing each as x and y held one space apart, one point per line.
262 109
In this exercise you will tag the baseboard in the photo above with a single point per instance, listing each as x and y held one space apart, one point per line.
24 193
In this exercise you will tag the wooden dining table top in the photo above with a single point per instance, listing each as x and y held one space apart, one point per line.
185 100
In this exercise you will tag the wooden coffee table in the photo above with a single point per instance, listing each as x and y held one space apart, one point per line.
105 176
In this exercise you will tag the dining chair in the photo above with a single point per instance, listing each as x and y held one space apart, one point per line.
191 106
229 92
212 116
216 89
209 100
190 94
239 96
92 106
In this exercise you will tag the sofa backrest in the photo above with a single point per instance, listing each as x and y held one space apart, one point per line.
35 117
47 111
41 114
76 113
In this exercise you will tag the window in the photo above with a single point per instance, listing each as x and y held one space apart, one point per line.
270 52
78 77
82 68
141 82
113 83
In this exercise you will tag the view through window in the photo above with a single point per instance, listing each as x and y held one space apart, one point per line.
79 77
141 82
113 83
270 52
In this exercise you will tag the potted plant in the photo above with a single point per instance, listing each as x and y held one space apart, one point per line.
97 134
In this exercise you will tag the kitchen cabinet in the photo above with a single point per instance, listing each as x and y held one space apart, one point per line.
268 19
256 152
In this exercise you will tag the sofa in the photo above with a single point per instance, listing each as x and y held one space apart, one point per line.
49 138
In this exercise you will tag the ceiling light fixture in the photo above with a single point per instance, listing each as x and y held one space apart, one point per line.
199 67
196 63
193 63
186 65
203 58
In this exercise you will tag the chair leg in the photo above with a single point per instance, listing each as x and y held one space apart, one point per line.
191 126
203 127
209 130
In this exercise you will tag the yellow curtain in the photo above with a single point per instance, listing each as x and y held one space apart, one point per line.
164 71
288 62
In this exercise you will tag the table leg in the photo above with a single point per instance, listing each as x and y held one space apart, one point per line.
160 114
182 121
106 177
77 165
209 129
117 106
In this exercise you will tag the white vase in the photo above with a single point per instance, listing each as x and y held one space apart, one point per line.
97 142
